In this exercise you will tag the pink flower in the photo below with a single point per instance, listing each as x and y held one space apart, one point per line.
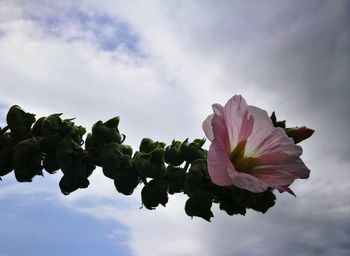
247 151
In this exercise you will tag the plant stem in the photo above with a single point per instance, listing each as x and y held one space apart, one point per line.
2 131
186 166
144 180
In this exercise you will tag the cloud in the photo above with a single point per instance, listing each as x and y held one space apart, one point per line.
160 66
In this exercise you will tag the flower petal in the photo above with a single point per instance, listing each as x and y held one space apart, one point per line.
278 141
246 181
208 128
236 119
219 165
220 133
261 130
218 110
223 173
279 170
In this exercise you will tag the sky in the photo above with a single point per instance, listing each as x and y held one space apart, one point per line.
160 65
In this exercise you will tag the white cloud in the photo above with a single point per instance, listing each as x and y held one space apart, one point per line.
281 56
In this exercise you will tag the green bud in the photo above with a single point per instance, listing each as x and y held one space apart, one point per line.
84 183
147 145
150 166
50 164
229 204
199 142
68 184
126 181
68 154
173 155
71 182
276 123
75 132
245 197
26 160
7 144
106 134
127 150
263 201
299 133
37 130
157 155
52 128
111 158
88 165
154 193
19 122
94 147
113 122
175 177
195 176
199 204
191 151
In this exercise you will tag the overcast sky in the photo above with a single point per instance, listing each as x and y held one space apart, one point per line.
160 65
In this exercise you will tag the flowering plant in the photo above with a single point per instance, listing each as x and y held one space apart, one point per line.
247 151
250 155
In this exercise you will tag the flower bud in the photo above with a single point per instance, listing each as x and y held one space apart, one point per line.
199 204
94 147
19 122
263 201
88 165
50 164
147 145
175 177
281 124
68 154
68 184
244 197
192 151
71 182
113 122
173 155
299 133
195 176
154 193
37 130
126 149
106 134
111 158
74 131
126 181
7 144
150 165
157 155
52 129
231 206
26 160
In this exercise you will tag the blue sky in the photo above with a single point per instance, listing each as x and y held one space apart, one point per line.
160 65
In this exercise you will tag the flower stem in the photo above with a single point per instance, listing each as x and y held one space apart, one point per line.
144 180
186 166
2 131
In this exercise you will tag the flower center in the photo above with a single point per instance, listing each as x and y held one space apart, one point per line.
241 163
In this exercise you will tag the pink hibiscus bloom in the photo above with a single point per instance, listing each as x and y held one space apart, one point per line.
247 151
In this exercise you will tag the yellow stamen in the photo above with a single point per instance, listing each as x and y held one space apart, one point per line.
241 163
